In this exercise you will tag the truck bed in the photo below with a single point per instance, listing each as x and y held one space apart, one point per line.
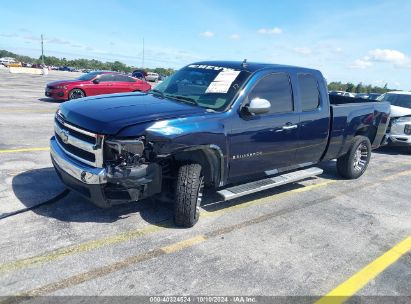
337 99
355 116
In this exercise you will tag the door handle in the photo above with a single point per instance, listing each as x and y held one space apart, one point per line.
289 126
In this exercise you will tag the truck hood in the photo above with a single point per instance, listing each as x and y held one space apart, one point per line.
108 114
399 111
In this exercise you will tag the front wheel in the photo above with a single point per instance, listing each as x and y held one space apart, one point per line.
189 192
76 93
353 164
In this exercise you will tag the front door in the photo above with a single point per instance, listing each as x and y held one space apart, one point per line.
105 85
262 144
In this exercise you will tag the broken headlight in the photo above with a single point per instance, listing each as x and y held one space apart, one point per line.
124 152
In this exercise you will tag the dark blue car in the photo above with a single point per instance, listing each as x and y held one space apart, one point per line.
235 126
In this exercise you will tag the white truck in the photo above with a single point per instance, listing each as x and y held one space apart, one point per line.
399 129
151 76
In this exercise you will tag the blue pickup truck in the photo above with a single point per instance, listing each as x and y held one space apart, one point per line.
235 126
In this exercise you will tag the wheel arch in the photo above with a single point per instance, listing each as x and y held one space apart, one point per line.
77 88
210 157
370 132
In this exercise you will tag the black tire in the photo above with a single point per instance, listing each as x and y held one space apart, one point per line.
189 192
76 93
353 164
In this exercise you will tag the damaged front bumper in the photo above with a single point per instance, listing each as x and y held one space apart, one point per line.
104 187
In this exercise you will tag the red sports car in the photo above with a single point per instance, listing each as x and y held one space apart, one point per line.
95 83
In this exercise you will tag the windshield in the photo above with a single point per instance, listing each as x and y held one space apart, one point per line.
399 100
206 86
88 76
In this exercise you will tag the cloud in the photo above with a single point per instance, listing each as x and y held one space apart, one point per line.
270 31
234 37
395 57
387 55
207 34
31 37
303 50
361 64
57 41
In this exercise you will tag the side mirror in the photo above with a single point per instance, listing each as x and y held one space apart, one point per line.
96 81
259 106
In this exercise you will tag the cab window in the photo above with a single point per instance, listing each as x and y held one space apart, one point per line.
276 88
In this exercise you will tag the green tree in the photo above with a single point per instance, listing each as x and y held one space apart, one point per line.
359 88
350 87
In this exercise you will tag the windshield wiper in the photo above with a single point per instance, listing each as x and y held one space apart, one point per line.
154 91
183 98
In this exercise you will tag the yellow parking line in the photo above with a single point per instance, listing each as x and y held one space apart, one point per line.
183 244
107 269
134 234
363 277
141 257
84 247
347 289
393 176
24 150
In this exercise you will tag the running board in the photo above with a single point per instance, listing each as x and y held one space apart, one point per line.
263 184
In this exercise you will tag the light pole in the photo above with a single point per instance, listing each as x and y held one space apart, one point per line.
42 50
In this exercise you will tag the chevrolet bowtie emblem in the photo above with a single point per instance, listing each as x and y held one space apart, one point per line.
64 136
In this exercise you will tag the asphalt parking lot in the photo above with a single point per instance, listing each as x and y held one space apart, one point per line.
310 238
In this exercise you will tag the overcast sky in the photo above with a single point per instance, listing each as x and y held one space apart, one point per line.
368 41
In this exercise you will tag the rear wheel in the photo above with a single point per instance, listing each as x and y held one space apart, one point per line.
189 193
353 164
76 93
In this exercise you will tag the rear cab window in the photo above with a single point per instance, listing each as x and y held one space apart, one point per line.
309 93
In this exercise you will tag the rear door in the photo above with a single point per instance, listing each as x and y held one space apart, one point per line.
123 83
262 144
314 119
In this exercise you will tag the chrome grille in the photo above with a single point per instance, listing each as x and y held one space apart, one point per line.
80 144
